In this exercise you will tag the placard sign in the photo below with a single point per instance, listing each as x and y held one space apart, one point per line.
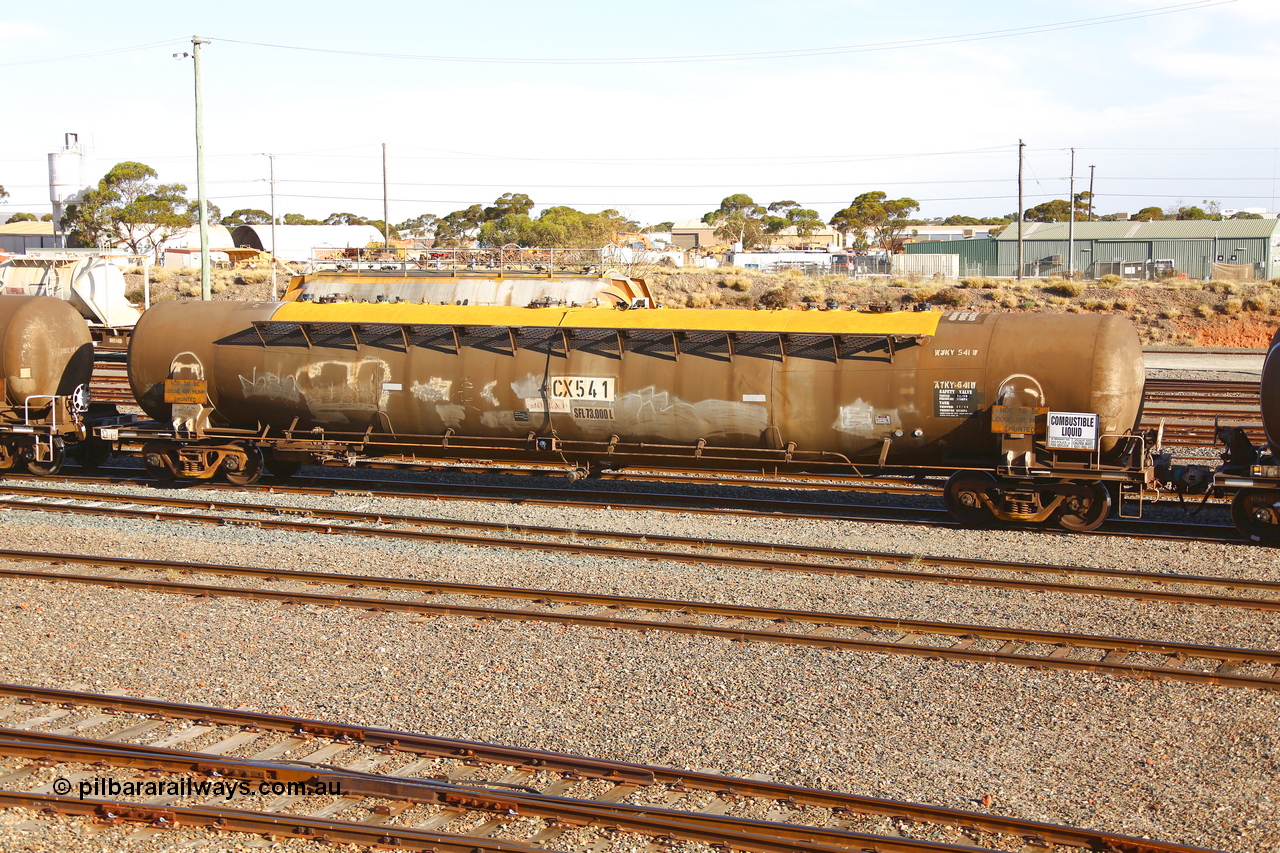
185 391
1073 431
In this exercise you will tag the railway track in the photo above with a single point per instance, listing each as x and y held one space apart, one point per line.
1203 664
648 546
735 505
410 791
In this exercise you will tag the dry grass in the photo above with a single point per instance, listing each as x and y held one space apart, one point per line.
1064 288
1258 302
1109 280
1233 306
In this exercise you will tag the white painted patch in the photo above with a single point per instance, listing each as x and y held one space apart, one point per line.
530 386
431 392
453 415
857 417
392 386
554 405
488 394
754 398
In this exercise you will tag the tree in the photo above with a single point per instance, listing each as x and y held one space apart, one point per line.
1149 214
661 226
390 234
129 208
1243 215
886 219
298 219
21 217
421 226
4 194
738 220
247 216
1059 211
507 204
345 219
48 217
459 226
1192 213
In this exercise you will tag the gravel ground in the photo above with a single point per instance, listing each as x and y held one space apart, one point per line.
1175 761
1179 762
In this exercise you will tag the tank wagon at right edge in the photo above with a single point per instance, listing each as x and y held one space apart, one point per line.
1253 474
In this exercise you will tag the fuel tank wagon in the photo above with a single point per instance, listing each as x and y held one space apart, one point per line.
46 361
1021 394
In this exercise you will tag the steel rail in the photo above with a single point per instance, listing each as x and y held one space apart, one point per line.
654 821
1114 650
261 823
738 507
701 544
1044 834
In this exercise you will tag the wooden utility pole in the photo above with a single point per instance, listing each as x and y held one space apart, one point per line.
1021 145
386 219
1071 223
1091 168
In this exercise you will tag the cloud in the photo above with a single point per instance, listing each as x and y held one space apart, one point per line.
21 31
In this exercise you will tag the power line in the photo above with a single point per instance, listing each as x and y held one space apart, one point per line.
799 53
96 53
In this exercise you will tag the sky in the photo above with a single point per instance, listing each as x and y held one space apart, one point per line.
657 109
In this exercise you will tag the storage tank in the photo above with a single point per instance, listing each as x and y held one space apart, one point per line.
825 382
45 351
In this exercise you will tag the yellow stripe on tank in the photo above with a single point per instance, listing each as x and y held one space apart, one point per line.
685 319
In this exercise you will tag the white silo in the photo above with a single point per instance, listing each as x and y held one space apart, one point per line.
68 178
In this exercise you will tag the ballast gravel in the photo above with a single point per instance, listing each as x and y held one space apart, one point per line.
1177 762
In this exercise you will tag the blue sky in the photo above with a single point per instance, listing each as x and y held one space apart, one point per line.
657 109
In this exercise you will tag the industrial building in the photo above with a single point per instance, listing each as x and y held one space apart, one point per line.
1197 249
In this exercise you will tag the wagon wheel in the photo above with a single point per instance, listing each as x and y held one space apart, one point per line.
156 458
52 465
963 497
1080 514
1254 513
244 472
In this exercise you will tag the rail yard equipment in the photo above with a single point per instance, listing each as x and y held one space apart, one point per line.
46 359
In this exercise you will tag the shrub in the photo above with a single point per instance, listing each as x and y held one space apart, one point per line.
1097 305
900 282
1030 304
1204 309
775 297
1110 280
159 274
255 276
699 300
977 281
1233 307
187 289
737 282
920 294
1258 302
1171 313
217 286
1064 288
1008 300
1058 300
134 295
792 274
953 296
1123 304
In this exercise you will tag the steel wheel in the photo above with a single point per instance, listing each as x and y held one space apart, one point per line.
1080 514
1254 513
963 497
157 459
244 472
52 465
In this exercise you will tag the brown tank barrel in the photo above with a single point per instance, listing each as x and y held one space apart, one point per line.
45 350
1269 393
835 381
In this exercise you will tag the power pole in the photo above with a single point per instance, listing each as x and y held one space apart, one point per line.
386 219
205 293
274 292
1091 168
1021 145
1071 223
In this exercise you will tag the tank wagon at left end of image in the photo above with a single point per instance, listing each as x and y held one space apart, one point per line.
1032 417
46 361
